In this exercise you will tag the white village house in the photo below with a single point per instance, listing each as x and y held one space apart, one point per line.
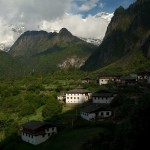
78 96
95 113
103 97
36 132
106 79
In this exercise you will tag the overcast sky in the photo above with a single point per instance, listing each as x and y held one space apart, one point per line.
76 15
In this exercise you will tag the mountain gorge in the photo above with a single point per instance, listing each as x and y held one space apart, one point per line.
127 38
52 86
42 51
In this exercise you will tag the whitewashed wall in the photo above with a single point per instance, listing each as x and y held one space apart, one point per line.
35 140
91 116
77 97
103 81
87 116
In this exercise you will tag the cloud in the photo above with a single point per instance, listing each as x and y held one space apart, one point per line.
87 6
78 6
91 27
101 5
49 15
29 13
6 35
31 10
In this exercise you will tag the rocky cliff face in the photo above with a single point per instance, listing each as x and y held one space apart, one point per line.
72 62
29 43
128 32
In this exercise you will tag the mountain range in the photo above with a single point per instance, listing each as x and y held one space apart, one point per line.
14 31
40 51
126 45
124 49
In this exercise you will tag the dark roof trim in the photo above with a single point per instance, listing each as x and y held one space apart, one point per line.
78 91
92 109
34 125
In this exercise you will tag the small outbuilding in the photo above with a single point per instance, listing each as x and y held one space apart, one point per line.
61 97
105 79
89 80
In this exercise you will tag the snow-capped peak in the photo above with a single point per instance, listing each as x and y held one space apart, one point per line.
18 29
2 46
104 15
94 41
76 24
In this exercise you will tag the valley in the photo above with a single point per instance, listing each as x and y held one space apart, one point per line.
58 91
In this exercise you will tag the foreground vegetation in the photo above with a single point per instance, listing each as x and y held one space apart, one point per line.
34 98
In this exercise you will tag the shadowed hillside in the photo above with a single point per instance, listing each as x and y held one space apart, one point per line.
8 65
127 34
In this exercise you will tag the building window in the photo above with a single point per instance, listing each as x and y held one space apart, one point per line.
49 134
102 113
71 97
52 129
107 113
43 135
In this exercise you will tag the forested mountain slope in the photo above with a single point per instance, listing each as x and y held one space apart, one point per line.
127 38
